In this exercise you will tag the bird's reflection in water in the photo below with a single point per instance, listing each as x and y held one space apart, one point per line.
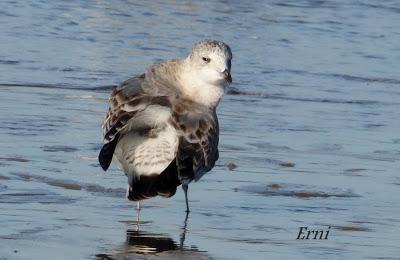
141 242
144 243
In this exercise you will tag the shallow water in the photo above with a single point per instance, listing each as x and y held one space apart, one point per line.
311 124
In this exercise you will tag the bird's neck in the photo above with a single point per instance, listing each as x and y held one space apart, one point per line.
198 90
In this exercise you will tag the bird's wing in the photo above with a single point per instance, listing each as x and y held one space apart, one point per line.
198 143
124 103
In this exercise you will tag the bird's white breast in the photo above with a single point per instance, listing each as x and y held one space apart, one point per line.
200 90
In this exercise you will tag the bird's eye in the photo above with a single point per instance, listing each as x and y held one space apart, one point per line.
207 60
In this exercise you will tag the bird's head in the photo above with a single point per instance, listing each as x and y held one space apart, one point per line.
211 61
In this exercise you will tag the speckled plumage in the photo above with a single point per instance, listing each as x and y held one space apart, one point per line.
162 127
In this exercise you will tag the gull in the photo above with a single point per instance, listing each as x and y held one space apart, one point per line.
161 128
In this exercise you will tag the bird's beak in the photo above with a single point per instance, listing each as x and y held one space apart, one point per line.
227 76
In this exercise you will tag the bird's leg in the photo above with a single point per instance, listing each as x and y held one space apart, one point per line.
138 205
185 189
183 235
137 220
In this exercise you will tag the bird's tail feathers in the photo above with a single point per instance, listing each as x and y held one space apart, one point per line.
148 186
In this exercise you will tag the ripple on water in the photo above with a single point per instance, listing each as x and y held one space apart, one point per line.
2 177
24 233
234 91
35 196
297 191
9 62
351 228
59 148
354 172
14 159
71 185
3 187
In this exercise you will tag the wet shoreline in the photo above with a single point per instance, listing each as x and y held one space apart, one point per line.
52 186
309 131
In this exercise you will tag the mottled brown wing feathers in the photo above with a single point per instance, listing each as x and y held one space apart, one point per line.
198 144
197 126
125 101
